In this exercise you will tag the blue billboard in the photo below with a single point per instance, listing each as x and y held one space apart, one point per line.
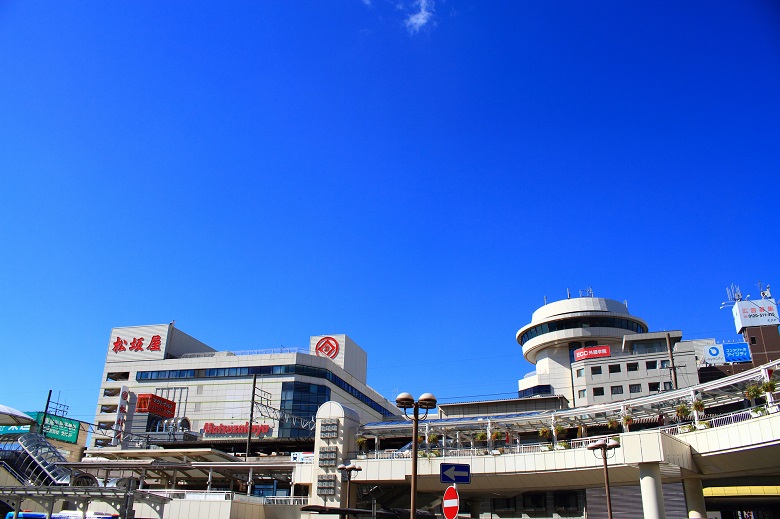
736 352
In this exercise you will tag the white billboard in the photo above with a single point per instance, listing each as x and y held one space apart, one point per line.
137 343
755 313
713 355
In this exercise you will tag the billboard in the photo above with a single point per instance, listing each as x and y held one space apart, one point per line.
736 352
155 404
713 355
138 343
56 428
755 313
591 352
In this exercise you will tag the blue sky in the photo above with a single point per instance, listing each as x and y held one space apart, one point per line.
417 175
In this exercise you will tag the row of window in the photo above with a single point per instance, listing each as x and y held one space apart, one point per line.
617 368
582 322
563 501
286 369
652 387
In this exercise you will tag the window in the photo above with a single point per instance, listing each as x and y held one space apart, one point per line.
667 386
614 368
651 364
580 372
598 391
534 501
595 370
752 340
664 364
566 501
654 387
581 393
617 390
635 388
632 366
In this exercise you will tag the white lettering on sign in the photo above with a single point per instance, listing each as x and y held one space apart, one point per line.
592 352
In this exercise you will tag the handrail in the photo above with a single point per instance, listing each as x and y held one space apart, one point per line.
578 443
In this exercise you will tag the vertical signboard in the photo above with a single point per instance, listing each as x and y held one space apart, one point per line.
121 416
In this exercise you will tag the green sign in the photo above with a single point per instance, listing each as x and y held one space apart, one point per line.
59 428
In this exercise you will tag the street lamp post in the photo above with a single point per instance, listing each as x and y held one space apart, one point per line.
406 401
346 471
603 446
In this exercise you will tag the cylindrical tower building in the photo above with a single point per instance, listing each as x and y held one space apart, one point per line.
558 329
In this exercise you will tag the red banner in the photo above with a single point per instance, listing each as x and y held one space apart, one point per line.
592 352
148 403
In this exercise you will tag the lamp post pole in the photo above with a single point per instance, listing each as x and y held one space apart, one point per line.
346 471
406 401
604 446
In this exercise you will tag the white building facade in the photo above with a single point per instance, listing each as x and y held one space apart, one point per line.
160 382
592 350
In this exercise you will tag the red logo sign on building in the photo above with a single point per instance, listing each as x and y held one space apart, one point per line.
236 429
137 344
154 404
450 505
592 352
327 347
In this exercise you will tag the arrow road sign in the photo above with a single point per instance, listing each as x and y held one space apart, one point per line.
455 473
450 505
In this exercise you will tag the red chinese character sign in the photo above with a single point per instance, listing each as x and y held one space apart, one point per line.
327 347
137 343
121 416
755 313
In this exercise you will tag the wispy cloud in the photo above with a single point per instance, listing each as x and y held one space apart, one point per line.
420 18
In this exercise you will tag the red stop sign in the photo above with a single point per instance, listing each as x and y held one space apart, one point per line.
451 503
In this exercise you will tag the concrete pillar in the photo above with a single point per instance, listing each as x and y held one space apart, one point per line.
694 499
475 505
652 493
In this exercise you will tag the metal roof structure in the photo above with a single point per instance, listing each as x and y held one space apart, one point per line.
180 464
724 391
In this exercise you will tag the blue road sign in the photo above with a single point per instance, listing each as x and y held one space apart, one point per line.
455 473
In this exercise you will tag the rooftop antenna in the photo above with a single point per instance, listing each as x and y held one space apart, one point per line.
568 294
545 299
625 303
587 292
733 295
766 294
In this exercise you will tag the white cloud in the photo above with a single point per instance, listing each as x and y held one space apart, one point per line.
417 20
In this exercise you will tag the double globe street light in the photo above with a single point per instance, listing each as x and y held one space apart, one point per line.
603 446
406 401
346 472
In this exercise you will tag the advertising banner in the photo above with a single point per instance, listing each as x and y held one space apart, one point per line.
591 352
736 352
155 404
59 428
713 355
121 416
137 343
755 313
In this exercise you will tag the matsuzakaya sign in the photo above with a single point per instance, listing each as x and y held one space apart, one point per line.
221 429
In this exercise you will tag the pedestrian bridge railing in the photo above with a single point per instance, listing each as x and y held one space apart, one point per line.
577 443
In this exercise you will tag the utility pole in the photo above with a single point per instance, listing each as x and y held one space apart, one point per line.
43 418
251 417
